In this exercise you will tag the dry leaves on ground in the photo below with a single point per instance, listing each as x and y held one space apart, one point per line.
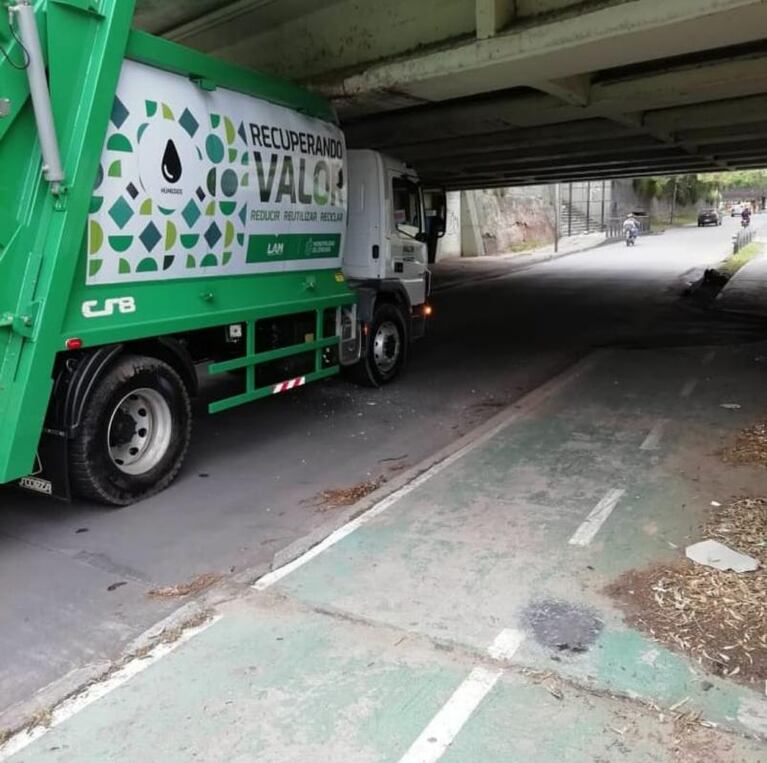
719 618
347 496
750 447
199 584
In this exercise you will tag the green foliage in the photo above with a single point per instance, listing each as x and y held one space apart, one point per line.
736 261
739 179
689 189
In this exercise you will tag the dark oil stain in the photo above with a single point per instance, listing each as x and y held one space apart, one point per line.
563 626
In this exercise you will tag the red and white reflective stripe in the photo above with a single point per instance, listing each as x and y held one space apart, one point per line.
286 385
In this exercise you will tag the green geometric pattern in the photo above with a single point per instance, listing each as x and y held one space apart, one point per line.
135 236
130 233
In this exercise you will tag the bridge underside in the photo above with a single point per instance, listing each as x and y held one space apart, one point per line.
483 93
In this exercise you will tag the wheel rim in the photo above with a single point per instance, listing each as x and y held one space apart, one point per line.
387 346
139 432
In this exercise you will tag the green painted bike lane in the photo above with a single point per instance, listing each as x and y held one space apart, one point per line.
354 654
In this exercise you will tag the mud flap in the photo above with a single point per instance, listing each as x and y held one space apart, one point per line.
51 473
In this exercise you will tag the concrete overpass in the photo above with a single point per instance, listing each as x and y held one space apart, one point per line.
483 93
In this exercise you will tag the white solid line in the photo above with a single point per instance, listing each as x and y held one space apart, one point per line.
506 644
688 388
273 577
708 359
652 441
598 516
79 702
444 727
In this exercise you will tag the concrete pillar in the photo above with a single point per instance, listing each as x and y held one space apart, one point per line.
471 232
493 16
450 244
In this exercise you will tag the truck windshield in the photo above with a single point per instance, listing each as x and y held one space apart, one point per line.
406 196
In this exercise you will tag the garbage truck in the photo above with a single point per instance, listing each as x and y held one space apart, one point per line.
163 212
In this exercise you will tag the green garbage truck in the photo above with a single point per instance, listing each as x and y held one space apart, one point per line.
163 212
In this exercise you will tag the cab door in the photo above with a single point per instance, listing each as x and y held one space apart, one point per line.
408 262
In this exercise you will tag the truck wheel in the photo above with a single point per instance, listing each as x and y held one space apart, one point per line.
386 348
134 435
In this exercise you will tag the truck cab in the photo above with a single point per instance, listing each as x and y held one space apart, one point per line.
385 260
386 233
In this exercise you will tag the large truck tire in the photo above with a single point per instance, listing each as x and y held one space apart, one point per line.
386 350
134 434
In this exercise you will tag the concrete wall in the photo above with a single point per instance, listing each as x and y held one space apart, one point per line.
513 219
625 199
498 221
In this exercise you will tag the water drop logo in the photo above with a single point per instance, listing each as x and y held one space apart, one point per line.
171 163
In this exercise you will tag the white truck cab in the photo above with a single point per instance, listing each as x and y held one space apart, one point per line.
386 234
386 260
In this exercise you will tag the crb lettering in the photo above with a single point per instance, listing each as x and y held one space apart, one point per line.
122 305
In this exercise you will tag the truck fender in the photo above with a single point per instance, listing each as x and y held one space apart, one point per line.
81 379
381 291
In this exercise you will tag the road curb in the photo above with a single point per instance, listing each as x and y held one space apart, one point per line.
18 716
524 405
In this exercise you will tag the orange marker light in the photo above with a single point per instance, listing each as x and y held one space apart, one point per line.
74 344
427 311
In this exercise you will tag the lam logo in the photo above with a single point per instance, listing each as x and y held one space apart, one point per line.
171 163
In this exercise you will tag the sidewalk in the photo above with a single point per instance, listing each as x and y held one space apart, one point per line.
746 292
465 617
458 271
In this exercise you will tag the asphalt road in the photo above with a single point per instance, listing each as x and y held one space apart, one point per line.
74 578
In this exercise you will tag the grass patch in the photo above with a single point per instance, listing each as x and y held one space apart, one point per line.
525 246
659 225
735 262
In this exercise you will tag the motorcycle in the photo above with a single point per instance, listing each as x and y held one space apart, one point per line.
745 221
631 236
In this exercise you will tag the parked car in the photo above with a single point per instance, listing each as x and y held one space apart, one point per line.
709 217
736 210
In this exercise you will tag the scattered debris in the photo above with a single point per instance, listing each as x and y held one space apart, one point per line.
81 530
712 553
199 584
115 586
677 705
393 458
731 406
555 691
716 617
43 717
750 447
715 503
346 496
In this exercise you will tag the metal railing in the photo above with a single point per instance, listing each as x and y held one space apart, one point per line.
743 238
614 227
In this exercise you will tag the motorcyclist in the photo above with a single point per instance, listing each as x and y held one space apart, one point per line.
631 226
746 216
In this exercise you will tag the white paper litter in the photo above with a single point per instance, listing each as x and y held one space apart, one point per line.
714 554
730 406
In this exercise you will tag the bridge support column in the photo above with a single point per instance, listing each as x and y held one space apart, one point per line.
493 16
471 231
